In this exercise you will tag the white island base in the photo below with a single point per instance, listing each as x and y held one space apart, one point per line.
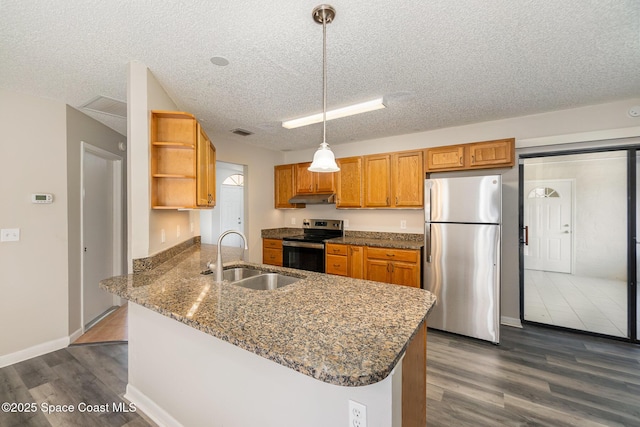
180 376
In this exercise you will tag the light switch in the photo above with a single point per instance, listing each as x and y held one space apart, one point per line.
9 235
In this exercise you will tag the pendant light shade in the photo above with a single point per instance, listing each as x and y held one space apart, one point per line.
323 159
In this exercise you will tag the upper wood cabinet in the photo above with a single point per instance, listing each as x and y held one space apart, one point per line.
206 171
284 181
394 180
307 182
177 175
441 158
349 183
475 155
377 181
492 153
407 179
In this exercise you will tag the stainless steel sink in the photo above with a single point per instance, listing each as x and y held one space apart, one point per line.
239 273
266 281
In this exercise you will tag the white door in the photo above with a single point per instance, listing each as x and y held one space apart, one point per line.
548 218
98 238
232 213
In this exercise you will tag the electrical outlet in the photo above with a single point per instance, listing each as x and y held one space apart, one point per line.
178 232
346 223
163 237
357 414
191 227
10 235
403 224
293 221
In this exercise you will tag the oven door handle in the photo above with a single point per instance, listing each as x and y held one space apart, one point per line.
303 244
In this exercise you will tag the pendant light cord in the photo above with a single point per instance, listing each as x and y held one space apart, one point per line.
324 77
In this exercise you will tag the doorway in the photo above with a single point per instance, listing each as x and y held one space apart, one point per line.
575 241
102 222
229 213
232 208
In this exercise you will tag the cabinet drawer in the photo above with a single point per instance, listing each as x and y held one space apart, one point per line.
272 243
406 255
336 264
272 256
334 249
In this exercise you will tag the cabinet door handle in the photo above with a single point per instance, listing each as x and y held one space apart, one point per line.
390 254
473 159
396 200
387 200
460 160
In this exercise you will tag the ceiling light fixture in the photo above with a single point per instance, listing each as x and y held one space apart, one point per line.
323 159
350 110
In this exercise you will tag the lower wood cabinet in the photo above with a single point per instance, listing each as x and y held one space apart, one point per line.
272 252
344 260
397 266
355 262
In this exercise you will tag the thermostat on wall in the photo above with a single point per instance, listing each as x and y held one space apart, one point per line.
42 198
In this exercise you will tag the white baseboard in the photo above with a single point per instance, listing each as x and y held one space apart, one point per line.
150 408
74 336
511 321
35 351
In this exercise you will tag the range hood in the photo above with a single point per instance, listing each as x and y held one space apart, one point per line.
314 199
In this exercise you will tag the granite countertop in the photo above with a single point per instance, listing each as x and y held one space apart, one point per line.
361 238
380 243
342 331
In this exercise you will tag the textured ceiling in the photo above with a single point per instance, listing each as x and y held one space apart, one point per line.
438 63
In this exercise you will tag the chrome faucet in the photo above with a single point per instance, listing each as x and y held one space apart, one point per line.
219 255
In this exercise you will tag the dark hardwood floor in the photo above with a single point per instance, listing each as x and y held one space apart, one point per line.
87 374
535 377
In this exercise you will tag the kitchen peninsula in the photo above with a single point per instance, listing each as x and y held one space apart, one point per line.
202 353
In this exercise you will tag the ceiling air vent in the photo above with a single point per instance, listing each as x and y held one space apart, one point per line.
241 132
105 105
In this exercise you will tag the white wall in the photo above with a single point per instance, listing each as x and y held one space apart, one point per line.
181 376
81 127
33 271
144 93
603 121
259 187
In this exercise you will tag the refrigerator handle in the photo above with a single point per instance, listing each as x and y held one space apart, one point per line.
427 243
525 236
427 200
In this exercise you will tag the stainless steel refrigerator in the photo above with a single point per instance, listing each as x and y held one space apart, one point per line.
462 254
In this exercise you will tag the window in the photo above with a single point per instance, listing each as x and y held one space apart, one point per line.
543 192
236 180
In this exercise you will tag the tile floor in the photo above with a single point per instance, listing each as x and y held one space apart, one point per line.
584 303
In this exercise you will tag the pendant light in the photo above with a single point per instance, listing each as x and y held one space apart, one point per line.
323 159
